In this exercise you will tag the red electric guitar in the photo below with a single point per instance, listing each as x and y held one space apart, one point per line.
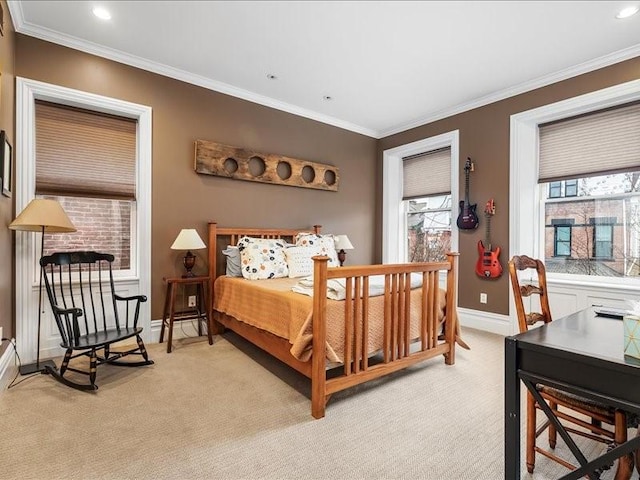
488 264
467 218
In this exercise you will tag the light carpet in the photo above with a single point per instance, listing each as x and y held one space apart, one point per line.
229 411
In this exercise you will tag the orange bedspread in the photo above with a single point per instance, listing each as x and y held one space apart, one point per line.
271 305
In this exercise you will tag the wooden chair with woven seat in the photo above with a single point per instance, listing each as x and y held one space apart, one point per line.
579 415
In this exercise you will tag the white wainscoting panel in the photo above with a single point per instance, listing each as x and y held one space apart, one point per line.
565 298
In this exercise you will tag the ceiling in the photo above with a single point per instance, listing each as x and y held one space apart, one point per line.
387 65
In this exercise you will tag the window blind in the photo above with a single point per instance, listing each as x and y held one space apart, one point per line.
83 153
604 142
427 174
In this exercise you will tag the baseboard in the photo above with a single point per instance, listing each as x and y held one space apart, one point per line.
5 364
486 321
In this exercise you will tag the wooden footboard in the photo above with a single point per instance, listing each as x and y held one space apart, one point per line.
400 348
396 352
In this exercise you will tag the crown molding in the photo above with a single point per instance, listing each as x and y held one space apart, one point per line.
52 36
574 71
26 28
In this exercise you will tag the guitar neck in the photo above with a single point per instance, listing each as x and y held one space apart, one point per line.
487 234
466 186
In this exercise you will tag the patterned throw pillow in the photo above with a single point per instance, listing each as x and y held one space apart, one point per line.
325 243
262 258
299 260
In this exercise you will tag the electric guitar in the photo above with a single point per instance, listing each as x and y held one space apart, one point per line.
467 219
488 264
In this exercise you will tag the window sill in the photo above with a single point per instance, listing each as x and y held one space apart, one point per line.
601 283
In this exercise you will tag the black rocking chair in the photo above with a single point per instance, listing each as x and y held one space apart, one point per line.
80 288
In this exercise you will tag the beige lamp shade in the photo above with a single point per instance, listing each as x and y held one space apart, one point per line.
343 243
188 239
43 215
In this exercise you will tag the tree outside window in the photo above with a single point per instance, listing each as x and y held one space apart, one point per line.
428 228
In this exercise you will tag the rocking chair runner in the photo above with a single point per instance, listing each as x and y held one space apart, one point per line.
80 288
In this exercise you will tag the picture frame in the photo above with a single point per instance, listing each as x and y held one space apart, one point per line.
6 160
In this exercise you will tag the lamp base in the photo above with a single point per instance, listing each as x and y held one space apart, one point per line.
189 262
37 367
342 256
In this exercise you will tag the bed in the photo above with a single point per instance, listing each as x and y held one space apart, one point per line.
367 334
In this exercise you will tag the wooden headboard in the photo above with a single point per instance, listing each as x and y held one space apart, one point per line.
220 237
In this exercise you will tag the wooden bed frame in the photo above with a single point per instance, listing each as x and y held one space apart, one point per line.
396 351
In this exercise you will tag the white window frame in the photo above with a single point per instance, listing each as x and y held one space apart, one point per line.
525 195
27 92
394 246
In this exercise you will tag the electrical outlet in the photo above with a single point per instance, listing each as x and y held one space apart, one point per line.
192 301
483 298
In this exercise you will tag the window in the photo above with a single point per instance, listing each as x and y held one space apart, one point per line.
427 205
566 188
397 201
605 227
603 241
529 229
87 161
428 228
600 153
562 241
555 189
571 188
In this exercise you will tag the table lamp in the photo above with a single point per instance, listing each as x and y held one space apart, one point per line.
342 244
46 216
188 239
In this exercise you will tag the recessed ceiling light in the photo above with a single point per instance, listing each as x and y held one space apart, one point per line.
327 98
271 76
101 13
628 11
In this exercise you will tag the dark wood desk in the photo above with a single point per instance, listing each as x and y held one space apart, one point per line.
582 354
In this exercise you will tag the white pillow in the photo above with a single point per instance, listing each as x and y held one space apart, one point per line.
262 258
325 244
234 267
299 260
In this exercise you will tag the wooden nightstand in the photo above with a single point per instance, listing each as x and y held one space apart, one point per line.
199 312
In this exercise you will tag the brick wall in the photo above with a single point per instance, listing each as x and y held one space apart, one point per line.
104 225
582 212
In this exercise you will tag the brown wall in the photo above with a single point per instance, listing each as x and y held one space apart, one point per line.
484 136
183 113
7 123
181 198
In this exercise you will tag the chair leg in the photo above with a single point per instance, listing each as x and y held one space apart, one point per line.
65 361
531 433
625 463
553 434
143 350
92 367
